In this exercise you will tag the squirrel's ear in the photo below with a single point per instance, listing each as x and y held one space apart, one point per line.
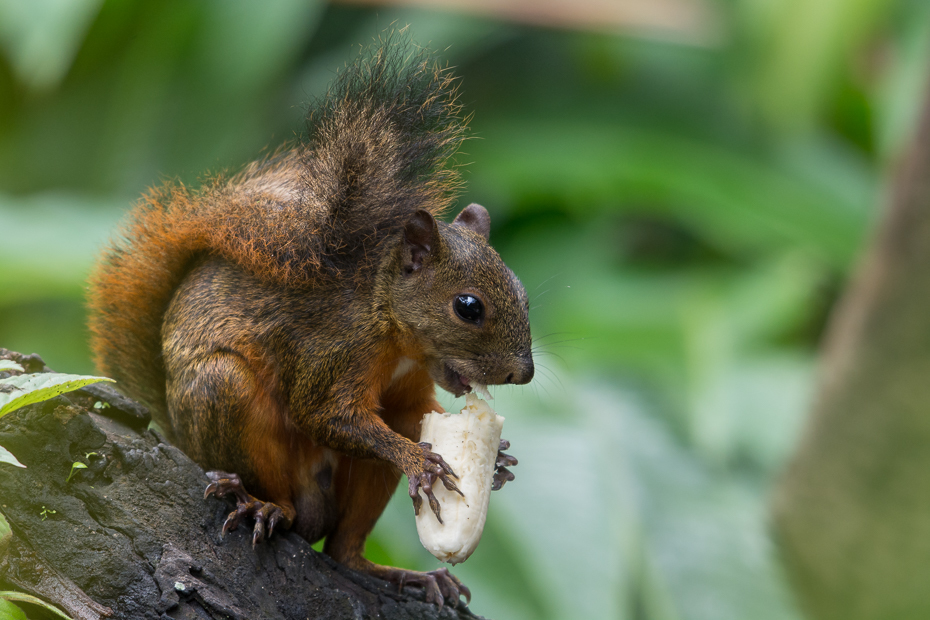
475 218
420 233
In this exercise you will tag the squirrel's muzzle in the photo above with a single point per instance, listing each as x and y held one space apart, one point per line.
523 373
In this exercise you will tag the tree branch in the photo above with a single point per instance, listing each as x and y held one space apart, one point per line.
853 509
132 536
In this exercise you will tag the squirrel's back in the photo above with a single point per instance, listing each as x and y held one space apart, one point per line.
377 150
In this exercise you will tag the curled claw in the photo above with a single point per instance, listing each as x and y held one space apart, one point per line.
431 457
426 485
502 475
440 469
412 491
433 593
505 460
434 467
450 587
450 486
460 588
258 533
222 484
440 586
276 517
434 506
267 515
234 518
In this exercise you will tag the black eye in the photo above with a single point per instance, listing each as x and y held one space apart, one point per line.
468 308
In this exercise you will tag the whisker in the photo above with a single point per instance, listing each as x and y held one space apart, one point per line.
550 354
550 335
552 375
547 280
558 343
535 300
538 385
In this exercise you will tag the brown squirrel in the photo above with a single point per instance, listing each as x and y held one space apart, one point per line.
290 324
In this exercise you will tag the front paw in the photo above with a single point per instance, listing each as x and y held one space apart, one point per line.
503 475
432 467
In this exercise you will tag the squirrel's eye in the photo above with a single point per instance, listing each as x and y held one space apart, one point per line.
468 308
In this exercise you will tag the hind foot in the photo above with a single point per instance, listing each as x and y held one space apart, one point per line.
267 515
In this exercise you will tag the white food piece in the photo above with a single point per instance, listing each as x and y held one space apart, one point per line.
481 390
469 442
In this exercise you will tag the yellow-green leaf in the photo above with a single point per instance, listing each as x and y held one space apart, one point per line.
22 597
6 534
74 467
9 611
16 392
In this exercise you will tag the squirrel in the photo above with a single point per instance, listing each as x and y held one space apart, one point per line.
290 323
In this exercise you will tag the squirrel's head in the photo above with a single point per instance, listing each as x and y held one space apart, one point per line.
466 309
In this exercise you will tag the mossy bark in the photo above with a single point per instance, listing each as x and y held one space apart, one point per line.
131 536
853 510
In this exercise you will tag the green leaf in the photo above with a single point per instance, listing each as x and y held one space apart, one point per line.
28 389
41 39
807 46
75 466
10 365
9 611
66 251
6 534
6 457
691 531
22 597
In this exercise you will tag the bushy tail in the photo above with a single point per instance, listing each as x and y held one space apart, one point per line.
130 288
378 149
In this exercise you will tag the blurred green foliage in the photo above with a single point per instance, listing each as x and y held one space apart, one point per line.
683 215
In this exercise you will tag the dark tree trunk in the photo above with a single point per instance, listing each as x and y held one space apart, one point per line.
853 510
132 537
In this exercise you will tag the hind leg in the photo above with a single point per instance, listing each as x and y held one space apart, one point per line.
363 490
226 418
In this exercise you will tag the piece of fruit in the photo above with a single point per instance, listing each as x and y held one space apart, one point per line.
469 442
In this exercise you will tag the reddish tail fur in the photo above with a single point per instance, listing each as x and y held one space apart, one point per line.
377 151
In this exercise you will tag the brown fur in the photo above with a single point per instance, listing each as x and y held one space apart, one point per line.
377 148
266 318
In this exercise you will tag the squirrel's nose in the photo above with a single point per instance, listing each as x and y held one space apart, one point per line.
524 373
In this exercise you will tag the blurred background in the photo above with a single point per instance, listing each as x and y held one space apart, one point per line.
684 187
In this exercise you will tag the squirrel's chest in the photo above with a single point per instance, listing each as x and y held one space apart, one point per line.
402 368
407 395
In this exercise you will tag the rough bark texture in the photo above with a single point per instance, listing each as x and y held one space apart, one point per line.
132 537
853 510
